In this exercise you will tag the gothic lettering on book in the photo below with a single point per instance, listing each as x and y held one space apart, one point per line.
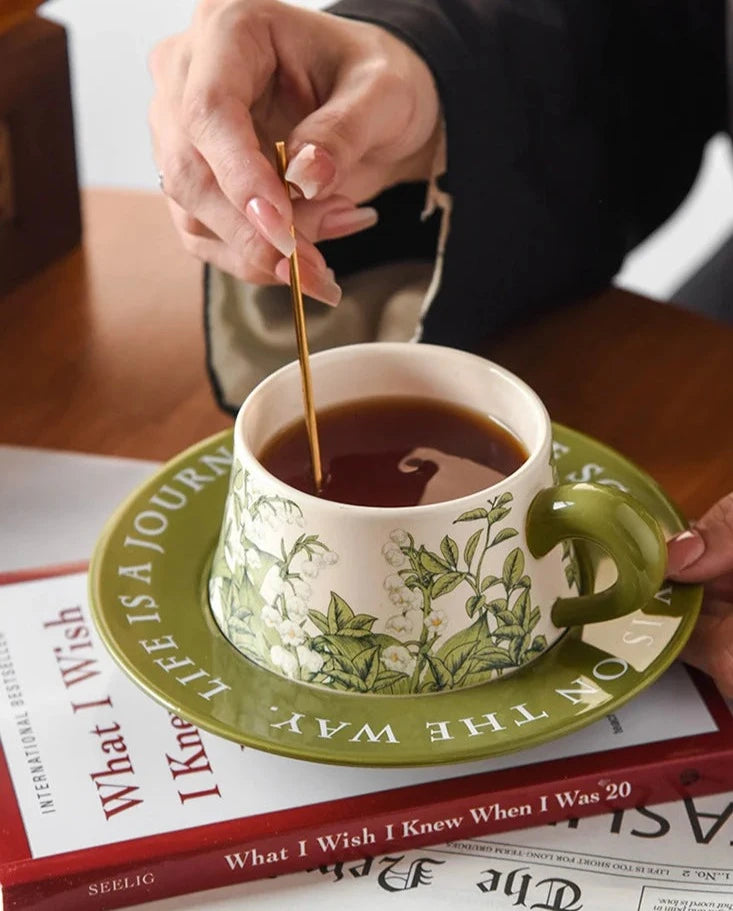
520 886
553 893
393 874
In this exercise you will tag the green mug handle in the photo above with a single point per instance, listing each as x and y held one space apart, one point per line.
618 524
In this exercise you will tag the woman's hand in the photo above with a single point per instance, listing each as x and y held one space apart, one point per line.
705 554
357 107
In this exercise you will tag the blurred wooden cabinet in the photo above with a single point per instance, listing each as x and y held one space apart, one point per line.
39 193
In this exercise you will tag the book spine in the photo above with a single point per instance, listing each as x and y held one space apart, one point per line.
33 574
227 861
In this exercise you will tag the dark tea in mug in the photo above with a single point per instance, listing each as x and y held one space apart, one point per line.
396 451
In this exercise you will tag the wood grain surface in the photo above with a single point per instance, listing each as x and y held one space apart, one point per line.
647 378
104 352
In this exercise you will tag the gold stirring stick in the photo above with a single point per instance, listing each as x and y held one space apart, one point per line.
302 339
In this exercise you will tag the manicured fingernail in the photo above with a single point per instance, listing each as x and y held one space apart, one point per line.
269 222
683 550
313 256
326 290
348 221
311 170
318 285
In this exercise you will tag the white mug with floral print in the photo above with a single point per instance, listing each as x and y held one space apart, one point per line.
421 598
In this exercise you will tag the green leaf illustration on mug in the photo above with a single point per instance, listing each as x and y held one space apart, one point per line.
263 600
499 637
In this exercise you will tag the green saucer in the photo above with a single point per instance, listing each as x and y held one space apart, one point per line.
148 585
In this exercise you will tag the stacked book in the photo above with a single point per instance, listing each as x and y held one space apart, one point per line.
109 800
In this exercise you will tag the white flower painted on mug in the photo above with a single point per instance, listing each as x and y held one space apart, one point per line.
297 608
270 616
393 555
254 491
436 621
301 588
252 558
285 660
267 516
249 525
276 581
232 551
287 513
406 598
230 513
273 585
394 583
397 658
399 537
414 616
216 596
414 598
310 569
329 558
291 633
309 660
398 625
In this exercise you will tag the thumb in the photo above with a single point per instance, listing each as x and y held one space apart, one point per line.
327 145
705 551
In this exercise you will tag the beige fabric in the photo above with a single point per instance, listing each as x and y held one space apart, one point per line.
251 327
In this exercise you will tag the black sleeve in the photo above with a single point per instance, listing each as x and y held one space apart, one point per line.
574 128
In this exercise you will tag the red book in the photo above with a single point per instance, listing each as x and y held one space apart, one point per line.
108 802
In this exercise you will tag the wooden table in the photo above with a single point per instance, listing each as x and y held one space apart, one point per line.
104 352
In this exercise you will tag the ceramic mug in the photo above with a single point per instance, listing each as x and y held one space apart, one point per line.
420 598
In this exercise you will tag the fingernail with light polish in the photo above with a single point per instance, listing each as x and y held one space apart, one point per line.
269 222
326 290
684 549
313 256
318 284
348 221
311 170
